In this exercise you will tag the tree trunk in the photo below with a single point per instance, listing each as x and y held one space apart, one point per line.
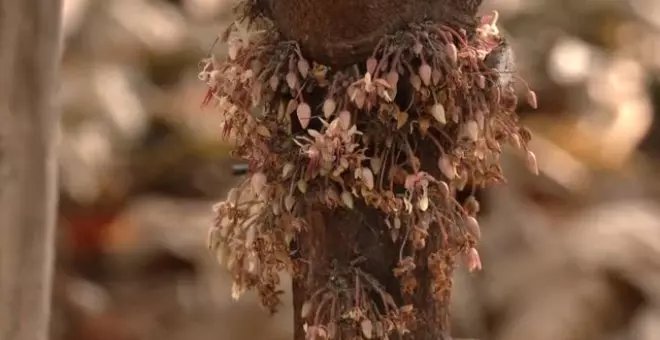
29 54
347 235
405 112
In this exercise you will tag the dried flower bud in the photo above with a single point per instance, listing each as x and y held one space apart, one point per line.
418 48
303 68
376 164
274 81
287 170
367 328
531 99
347 198
531 162
359 98
233 49
416 82
289 202
253 262
410 181
225 226
263 131
423 203
472 206
472 226
236 291
291 106
304 113
452 52
436 75
275 208
447 168
232 197
461 180
329 107
473 260
443 187
385 94
515 141
302 186
258 182
438 112
393 79
345 119
292 80
368 178
425 74
471 130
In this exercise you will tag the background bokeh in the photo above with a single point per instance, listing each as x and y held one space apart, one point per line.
142 163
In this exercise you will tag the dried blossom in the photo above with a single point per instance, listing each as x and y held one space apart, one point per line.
329 107
340 138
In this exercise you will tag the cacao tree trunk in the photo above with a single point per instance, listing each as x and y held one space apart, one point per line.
29 53
362 208
342 33
348 235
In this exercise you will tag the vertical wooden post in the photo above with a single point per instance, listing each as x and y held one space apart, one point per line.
29 54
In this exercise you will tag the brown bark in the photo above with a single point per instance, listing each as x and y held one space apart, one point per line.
336 238
341 33
345 32
362 233
29 53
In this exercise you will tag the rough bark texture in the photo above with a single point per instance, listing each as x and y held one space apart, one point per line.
361 233
345 32
346 235
29 53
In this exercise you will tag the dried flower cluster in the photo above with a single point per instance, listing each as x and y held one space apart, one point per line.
422 118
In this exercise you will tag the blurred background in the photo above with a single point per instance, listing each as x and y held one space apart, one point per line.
142 164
